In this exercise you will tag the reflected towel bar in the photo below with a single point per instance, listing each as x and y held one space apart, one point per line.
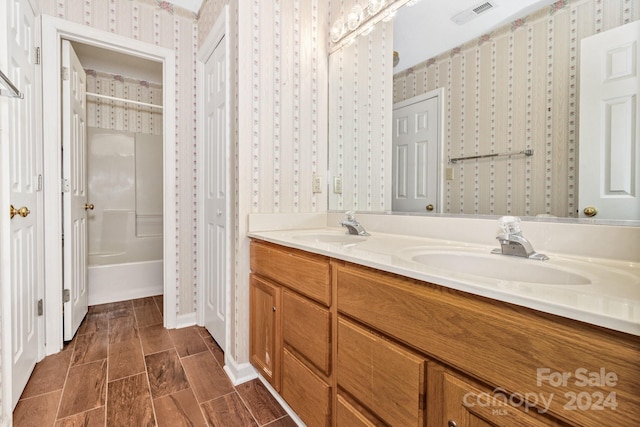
127 101
525 152
13 91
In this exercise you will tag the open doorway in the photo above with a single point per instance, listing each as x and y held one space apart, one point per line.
133 52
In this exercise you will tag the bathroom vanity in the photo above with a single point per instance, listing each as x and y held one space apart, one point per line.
350 333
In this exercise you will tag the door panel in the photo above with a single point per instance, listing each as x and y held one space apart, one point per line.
74 191
215 169
24 164
415 155
609 123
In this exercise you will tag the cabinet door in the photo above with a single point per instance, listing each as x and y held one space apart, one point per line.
384 377
466 405
265 343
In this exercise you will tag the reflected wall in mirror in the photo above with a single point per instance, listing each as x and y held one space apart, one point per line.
513 88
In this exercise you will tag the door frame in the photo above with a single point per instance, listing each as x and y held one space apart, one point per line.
218 32
53 31
442 163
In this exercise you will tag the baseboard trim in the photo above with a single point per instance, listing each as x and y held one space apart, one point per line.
185 320
238 373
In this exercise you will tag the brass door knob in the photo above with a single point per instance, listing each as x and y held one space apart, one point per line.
429 207
23 211
590 211
88 206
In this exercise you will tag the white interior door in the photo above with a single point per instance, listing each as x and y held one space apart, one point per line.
415 155
74 190
215 170
610 123
25 251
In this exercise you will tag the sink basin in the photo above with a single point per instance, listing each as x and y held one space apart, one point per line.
502 267
329 237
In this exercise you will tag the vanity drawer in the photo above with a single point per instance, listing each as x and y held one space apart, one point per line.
384 377
305 392
301 271
496 342
307 329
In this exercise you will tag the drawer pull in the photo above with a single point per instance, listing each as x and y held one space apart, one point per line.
273 308
452 423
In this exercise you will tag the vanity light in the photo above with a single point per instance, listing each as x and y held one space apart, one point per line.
355 17
344 30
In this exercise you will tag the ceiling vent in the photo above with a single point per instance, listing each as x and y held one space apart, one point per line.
473 12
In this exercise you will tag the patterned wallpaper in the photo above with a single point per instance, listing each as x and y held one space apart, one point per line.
117 115
162 24
511 89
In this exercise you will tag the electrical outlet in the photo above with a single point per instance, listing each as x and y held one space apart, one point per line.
317 184
337 185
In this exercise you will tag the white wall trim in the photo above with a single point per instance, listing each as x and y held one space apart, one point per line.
186 320
238 373
218 32
53 31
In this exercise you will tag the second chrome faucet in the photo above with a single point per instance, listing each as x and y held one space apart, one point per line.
352 225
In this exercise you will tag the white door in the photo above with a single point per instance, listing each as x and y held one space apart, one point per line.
215 169
25 251
74 191
415 155
610 123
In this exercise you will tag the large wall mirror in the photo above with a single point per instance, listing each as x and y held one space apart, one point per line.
502 84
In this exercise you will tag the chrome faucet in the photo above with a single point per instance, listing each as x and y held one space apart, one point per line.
513 243
353 226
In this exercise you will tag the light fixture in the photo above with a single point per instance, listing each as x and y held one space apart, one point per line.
345 29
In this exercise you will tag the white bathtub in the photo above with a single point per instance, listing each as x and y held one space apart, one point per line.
133 272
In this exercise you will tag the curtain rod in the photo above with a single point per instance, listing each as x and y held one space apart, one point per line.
13 91
129 101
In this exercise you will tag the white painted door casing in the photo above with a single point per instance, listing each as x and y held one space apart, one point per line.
74 191
610 123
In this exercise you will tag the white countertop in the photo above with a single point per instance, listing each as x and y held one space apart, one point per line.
611 297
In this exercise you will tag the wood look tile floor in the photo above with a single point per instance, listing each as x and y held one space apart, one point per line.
124 369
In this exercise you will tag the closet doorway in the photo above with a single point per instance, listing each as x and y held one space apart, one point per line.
128 84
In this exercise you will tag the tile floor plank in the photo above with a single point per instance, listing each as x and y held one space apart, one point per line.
85 388
283 422
228 411
125 359
187 341
148 315
178 410
93 418
90 347
94 322
207 378
49 375
122 329
130 402
264 407
155 338
166 375
215 349
37 411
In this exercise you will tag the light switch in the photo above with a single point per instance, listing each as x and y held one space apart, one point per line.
449 174
337 185
317 184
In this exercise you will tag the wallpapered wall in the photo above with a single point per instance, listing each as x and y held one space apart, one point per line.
516 88
115 115
161 24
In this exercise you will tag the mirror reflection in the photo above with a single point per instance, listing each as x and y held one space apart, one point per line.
513 88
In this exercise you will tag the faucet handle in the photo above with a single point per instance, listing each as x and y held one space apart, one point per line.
350 215
510 224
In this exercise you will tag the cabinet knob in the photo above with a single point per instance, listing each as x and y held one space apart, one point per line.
23 212
273 308
452 423
88 206
590 211
429 207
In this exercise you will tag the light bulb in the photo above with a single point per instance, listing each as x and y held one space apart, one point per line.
337 31
354 17
375 6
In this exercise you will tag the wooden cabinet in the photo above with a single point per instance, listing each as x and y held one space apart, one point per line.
265 345
303 315
362 347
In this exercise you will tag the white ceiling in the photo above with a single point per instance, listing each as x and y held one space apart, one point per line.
112 62
192 5
425 30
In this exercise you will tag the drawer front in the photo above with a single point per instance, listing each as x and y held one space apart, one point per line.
305 392
509 343
303 272
348 416
382 376
307 329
